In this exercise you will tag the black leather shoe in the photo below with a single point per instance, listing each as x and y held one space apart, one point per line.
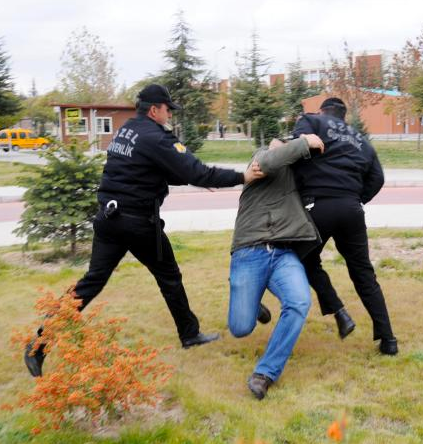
264 315
388 346
200 339
345 324
34 362
259 384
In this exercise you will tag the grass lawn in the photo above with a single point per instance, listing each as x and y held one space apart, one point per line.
391 154
10 171
207 400
399 154
226 151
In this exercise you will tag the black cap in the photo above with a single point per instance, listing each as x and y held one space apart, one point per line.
157 94
333 102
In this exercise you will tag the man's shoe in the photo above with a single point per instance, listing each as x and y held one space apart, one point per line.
388 346
345 324
259 384
200 339
264 315
34 361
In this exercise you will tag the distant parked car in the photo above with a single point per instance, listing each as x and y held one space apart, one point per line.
19 138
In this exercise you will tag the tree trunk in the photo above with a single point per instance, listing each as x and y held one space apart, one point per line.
261 138
419 137
73 239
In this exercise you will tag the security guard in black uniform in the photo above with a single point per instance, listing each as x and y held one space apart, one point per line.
333 185
143 159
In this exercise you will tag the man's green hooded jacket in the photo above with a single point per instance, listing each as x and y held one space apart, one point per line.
270 210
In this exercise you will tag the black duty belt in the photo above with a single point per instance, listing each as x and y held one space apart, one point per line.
114 210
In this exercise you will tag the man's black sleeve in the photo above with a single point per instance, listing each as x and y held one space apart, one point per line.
180 166
373 180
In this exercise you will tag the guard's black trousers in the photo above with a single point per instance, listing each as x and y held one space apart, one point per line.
343 220
112 239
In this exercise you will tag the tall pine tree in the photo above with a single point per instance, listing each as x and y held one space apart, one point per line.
61 201
10 104
252 98
188 83
295 90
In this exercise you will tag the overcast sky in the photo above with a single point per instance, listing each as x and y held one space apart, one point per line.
137 31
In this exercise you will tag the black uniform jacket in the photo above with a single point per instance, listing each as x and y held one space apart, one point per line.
348 167
143 159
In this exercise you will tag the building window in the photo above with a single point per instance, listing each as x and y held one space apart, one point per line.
104 125
314 76
76 127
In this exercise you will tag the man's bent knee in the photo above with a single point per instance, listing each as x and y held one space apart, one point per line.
241 329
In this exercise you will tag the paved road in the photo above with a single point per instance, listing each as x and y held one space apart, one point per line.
23 156
229 199
220 200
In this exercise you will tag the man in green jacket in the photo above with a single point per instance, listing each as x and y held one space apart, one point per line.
272 230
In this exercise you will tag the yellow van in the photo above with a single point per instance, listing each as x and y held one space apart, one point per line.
19 138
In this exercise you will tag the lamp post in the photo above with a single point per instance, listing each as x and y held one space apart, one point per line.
216 78
216 74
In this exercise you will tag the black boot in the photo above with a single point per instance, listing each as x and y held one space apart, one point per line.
34 361
200 339
345 324
388 346
258 384
264 315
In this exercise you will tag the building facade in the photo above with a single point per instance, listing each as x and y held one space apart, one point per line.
95 124
381 119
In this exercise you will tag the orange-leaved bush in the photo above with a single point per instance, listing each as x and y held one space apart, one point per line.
92 374
336 430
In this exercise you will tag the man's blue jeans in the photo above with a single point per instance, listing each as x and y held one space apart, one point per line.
253 269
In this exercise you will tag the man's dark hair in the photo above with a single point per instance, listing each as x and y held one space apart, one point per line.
334 107
144 107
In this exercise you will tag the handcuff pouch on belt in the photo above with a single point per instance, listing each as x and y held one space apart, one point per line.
111 209
308 202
